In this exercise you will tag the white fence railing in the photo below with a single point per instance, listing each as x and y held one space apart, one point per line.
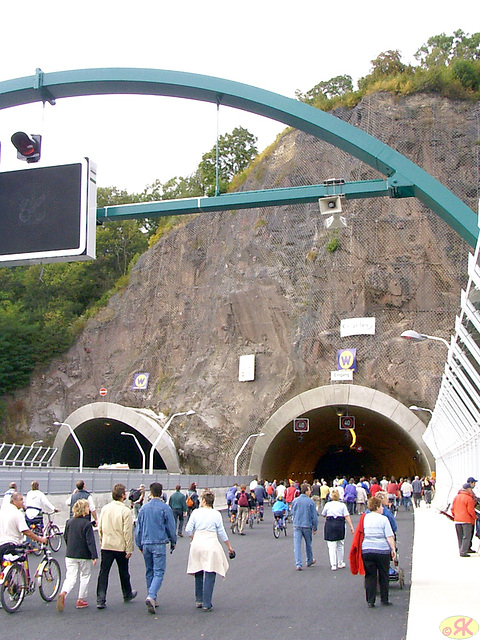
453 434
22 455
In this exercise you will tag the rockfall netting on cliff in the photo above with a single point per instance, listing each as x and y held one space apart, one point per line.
275 283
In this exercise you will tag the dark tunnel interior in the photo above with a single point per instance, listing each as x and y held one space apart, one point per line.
103 443
379 447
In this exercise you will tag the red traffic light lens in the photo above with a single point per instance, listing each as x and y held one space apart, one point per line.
28 147
23 143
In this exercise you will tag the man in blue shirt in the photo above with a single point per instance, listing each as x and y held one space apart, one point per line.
305 522
155 528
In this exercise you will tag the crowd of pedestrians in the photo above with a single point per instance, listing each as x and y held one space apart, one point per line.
354 493
152 523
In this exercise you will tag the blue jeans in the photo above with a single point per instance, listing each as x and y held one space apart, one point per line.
155 557
306 534
204 583
407 501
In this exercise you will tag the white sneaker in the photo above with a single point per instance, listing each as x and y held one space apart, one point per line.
342 565
334 568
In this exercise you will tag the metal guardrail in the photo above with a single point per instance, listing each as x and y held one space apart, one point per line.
61 480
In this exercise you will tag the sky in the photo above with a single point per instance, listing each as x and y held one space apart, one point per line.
279 46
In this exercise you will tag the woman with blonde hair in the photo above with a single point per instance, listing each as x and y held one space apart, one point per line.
336 514
206 557
81 554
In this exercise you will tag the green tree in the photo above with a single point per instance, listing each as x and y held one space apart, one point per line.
387 64
338 86
441 49
468 73
236 150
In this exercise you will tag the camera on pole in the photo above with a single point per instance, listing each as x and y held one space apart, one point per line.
28 146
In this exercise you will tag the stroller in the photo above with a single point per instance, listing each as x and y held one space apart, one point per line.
395 572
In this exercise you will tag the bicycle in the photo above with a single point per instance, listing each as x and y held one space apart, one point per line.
51 531
15 581
279 525
252 515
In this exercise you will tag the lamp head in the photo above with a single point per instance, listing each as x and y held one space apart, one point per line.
413 335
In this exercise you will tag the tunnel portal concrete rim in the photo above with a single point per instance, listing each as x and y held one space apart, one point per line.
141 420
338 395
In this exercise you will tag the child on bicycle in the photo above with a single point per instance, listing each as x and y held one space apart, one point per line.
280 510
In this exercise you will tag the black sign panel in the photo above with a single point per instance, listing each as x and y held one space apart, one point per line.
301 425
347 422
44 214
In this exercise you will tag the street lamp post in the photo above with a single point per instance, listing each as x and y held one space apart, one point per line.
235 462
77 442
190 412
124 433
414 336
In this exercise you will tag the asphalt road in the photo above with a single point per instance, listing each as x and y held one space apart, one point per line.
262 598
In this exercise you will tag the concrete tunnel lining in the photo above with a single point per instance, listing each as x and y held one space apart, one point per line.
142 421
404 430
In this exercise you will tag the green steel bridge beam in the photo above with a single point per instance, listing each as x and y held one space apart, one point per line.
48 87
252 199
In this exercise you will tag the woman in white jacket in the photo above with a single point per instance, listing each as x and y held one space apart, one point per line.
336 514
206 557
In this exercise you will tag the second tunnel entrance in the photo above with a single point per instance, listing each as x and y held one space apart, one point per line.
386 441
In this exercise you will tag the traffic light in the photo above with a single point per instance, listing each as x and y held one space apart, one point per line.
27 146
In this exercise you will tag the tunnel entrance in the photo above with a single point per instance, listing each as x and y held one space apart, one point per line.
387 439
99 426
105 445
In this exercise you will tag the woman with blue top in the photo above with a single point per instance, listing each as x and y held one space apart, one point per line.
206 557
378 547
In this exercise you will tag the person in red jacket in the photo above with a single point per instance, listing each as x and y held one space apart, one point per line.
374 487
290 494
463 511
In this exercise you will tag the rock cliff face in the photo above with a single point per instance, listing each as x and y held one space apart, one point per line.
267 282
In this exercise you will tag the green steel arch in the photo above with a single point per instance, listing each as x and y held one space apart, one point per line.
404 178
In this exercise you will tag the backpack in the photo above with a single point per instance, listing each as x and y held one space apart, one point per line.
134 495
190 502
242 499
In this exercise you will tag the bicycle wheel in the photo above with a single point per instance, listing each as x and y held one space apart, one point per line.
285 528
55 538
250 521
50 577
234 526
37 547
276 530
14 588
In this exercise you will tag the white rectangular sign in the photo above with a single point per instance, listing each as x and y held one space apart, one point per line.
357 327
246 368
342 374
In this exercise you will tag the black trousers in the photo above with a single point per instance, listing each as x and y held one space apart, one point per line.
376 569
107 559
